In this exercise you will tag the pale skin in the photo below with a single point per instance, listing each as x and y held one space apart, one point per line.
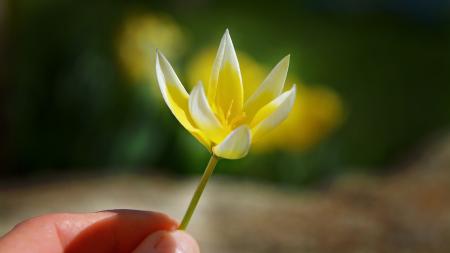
115 231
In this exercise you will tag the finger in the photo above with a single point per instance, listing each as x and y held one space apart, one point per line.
107 231
168 242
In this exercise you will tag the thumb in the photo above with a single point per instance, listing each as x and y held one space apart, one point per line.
168 242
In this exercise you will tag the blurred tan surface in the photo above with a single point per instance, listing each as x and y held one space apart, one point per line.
406 212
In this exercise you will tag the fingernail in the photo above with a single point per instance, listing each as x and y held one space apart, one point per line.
168 242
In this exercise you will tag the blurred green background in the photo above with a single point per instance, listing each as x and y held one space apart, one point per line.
78 93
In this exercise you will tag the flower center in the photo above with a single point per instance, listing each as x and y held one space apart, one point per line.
227 119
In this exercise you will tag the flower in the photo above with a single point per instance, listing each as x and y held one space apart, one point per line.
218 115
317 111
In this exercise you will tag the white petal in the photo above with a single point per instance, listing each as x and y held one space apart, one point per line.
229 54
211 88
272 114
269 89
167 78
236 145
203 115
225 54
176 96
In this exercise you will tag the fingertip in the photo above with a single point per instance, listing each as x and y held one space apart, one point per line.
186 240
162 219
168 242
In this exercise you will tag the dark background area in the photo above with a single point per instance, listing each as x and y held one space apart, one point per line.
68 107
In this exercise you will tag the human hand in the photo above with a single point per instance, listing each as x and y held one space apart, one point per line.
116 231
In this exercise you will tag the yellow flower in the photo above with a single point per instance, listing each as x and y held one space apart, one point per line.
317 111
218 115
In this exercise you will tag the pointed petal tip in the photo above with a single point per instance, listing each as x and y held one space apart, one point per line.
286 59
292 95
198 88
293 92
227 37
160 55
195 89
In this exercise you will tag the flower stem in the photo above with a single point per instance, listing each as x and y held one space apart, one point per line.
198 192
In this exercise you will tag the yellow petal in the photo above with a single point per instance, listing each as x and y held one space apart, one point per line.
203 115
269 89
225 91
273 113
236 145
176 96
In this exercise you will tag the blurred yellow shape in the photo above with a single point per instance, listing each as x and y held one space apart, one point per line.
317 112
138 38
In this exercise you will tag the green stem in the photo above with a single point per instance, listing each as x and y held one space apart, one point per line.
198 192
